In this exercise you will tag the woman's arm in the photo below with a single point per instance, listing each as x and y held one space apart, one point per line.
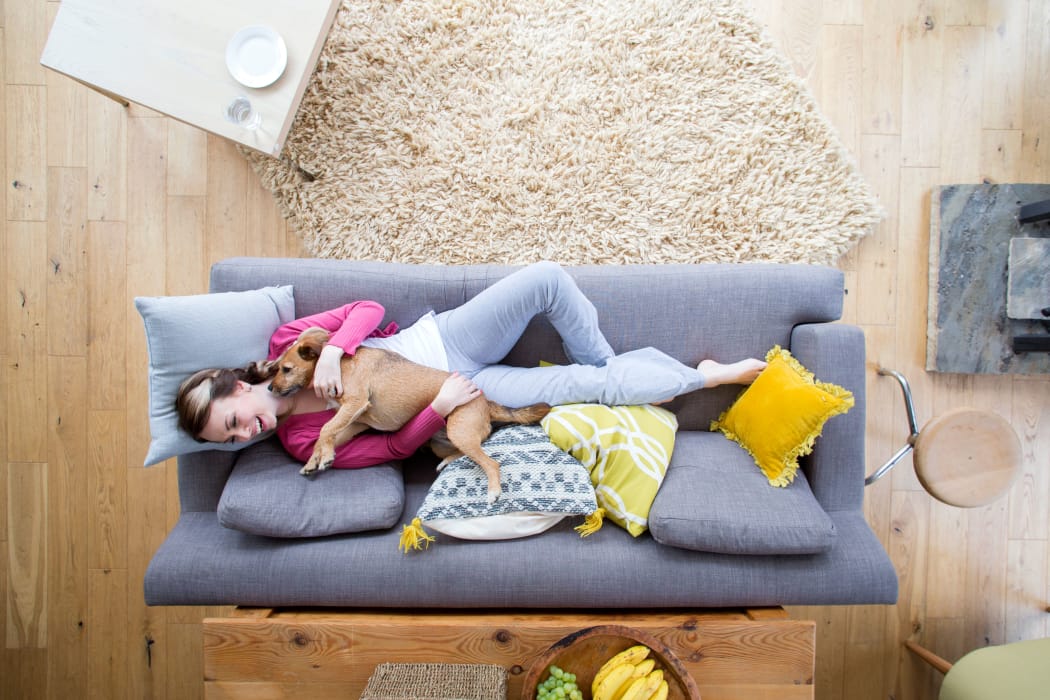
365 450
299 432
348 324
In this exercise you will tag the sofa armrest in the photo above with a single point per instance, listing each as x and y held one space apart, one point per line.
202 477
835 353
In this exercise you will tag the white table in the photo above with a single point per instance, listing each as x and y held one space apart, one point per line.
170 56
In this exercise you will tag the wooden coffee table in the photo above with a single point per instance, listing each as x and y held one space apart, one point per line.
171 57
752 654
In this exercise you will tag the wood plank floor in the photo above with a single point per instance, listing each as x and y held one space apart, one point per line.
102 204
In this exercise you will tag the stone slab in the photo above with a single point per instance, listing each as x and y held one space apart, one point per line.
968 329
1028 293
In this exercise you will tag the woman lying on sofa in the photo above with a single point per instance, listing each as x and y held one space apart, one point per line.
234 405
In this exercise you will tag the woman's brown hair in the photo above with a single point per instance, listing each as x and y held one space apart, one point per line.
193 401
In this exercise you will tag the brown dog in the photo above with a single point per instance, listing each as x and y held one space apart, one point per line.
383 390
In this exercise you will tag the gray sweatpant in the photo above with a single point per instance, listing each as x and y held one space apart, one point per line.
482 331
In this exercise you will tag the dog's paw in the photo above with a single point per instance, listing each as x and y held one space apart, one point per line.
325 460
494 495
311 467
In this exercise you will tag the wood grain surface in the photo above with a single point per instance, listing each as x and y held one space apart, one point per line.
922 93
728 653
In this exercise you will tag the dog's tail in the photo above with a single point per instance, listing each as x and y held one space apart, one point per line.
524 415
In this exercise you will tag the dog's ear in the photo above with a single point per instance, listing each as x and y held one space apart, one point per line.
261 371
309 351
311 341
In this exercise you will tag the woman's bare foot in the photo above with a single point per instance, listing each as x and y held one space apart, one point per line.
742 372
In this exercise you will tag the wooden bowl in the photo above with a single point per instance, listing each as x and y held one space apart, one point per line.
584 652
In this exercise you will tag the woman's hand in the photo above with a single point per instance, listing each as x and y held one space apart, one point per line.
328 376
455 391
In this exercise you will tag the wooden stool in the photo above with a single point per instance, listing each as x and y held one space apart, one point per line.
966 457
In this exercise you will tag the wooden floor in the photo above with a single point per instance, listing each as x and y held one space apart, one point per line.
104 204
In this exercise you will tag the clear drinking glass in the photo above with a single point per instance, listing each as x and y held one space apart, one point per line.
241 113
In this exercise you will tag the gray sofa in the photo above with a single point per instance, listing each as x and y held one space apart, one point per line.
712 485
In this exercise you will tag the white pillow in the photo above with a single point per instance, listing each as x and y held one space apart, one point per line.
508 526
188 333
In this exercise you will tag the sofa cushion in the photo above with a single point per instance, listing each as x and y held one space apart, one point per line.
188 333
541 485
626 449
714 500
778 418
266 495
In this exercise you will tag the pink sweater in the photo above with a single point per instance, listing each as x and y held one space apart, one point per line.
349 325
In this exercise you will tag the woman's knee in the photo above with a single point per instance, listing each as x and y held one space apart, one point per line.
548 269
550 276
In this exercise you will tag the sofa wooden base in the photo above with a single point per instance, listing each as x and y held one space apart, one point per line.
755 654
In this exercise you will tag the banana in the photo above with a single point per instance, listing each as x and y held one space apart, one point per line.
652 682
631 655
635 690
661 692
644 667
611 682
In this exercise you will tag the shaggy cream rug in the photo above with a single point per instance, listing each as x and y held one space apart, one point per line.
605 131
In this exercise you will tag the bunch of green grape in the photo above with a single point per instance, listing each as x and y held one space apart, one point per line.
560 685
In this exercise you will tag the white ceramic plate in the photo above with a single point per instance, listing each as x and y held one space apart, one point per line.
256 56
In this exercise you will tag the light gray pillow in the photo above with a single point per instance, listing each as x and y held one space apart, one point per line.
714 500
188 333
266 495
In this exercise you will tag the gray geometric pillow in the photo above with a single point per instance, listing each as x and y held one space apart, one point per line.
536 477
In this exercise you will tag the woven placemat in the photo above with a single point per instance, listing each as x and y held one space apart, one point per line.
437 682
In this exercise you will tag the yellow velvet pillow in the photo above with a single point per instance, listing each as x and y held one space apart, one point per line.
779 417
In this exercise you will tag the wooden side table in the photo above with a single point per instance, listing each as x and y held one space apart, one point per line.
171 57
733 654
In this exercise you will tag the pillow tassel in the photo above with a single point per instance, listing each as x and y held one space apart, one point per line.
592 523
413 536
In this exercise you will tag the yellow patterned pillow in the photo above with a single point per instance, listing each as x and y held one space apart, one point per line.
626 449
779 417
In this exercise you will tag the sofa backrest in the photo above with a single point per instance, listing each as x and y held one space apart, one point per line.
691 312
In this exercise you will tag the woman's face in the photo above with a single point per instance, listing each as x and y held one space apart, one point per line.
241 416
